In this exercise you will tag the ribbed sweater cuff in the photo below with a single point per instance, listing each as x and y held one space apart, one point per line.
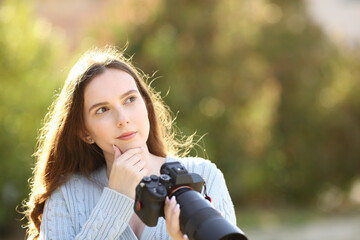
116 204
110 217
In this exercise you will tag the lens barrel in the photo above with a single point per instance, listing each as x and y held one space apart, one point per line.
201 221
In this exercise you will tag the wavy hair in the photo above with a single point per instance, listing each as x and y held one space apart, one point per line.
61 150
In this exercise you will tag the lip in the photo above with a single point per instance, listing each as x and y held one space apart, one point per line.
127 135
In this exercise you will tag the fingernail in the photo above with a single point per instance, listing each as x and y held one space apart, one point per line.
167 199
172 199
176 208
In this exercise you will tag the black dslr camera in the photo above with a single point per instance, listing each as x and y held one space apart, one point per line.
198 218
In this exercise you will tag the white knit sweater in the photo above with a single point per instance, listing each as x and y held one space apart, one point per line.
87 209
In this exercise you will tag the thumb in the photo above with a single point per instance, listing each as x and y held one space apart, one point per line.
117 152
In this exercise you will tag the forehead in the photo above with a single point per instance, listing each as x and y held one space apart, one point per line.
110 83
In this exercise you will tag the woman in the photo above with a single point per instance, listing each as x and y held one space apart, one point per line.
105 132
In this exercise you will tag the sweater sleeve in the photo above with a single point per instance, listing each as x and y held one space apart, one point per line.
218 191
215 184
108 219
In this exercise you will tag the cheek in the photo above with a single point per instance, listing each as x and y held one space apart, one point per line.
147 126
146 122
98 130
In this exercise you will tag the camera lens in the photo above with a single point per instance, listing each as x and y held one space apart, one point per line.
201 221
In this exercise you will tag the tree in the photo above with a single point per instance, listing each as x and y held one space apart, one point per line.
277 98
29 49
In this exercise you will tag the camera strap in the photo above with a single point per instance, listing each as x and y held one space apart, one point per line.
207 197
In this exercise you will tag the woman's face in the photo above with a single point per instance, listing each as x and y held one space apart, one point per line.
115 112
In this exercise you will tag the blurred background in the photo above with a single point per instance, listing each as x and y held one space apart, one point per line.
273 86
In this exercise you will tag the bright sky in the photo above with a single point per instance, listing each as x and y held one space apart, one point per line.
339 18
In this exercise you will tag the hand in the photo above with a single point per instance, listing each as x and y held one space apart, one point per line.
127 171
172 217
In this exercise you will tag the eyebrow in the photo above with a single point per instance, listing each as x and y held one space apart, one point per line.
122 96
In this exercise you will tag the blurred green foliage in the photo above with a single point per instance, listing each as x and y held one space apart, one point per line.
28 54
279 103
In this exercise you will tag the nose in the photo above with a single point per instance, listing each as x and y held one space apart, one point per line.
122 118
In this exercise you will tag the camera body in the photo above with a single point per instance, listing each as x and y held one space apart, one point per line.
198 218
152 191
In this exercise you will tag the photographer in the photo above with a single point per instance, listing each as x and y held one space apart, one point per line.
104 133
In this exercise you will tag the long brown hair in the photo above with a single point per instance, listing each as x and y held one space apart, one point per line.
61 150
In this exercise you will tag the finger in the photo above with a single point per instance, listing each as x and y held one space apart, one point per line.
137 163
174 223
137 166
117 152
140 165
172 217
144 172
175 217
134 160
129 153
169 205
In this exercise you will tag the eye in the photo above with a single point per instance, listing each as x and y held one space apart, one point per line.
130 100
101 110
